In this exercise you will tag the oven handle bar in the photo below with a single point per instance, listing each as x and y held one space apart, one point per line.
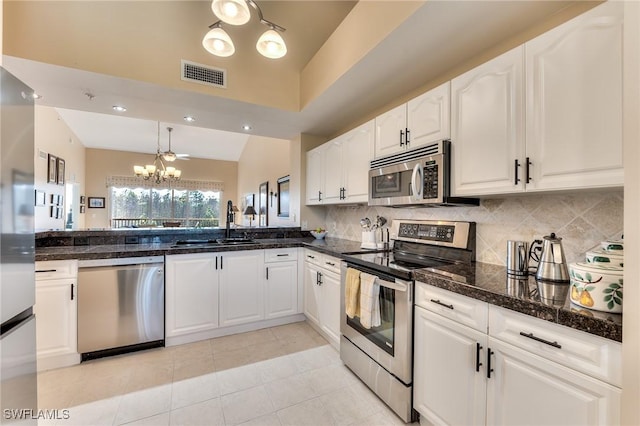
397 285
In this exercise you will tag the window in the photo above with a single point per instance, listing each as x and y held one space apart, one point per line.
132 207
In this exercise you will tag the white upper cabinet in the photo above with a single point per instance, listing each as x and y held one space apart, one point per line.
315 175
338 171
487 126
570 103
574 102
422 120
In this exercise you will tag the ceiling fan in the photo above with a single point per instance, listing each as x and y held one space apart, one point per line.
169 155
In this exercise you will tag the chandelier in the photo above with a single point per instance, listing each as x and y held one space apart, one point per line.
157 172
236 12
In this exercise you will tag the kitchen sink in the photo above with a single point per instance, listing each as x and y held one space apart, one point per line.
235 241
214 243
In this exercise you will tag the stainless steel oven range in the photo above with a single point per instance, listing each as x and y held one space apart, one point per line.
381 355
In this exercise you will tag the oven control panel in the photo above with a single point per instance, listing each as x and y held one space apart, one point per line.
455 234
422 231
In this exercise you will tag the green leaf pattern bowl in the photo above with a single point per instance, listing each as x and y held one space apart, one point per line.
596 286
605 257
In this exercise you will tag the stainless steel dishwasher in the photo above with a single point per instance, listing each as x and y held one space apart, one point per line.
120 305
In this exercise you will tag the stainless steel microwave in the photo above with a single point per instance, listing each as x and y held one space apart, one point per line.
419 177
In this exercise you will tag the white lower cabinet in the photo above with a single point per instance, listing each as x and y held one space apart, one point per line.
56 312
281 283
525 388
241 287
518 370
191 287
216 294
322 294
446 389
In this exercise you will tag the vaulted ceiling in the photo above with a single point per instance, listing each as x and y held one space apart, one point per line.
345 61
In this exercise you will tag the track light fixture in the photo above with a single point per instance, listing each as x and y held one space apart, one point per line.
237 12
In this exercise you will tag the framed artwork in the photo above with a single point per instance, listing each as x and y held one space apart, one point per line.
83 200
96 202
247 201
52 171
41 198
60 167
81 209
283 196
263 207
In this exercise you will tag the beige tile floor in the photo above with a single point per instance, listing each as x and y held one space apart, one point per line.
286 375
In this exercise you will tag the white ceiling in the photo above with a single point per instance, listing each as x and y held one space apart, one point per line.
438 37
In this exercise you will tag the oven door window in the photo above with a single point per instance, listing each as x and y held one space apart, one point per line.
383 335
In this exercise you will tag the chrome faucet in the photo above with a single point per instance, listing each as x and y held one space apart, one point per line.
227 233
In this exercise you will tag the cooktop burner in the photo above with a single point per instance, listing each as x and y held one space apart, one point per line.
387 262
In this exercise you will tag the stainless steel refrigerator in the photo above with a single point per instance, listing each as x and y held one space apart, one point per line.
18 374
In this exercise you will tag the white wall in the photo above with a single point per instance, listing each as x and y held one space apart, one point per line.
53 136
263 160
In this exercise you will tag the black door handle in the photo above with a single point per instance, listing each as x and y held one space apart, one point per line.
478 363
438 302
541 340
267 272
517 179
528 175
489 369
407 141
71 291
401 136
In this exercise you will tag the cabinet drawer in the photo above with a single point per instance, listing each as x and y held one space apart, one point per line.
280 255
313 257
592 355
331 264
462 309
54 269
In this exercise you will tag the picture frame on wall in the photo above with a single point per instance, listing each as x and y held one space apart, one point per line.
263 207
41 198
96 202
52 170
61 171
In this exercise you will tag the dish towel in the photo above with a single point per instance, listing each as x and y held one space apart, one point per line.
352 293
369 301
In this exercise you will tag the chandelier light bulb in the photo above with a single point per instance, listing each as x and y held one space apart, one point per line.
271 45
218 42
234 12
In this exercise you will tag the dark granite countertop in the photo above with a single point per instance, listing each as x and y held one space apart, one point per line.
332 246
490 283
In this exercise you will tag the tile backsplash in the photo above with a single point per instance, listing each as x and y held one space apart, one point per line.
581 219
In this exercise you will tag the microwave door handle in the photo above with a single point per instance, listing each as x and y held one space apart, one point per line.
417 189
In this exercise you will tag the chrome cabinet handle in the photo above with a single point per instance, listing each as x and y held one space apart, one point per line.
541 340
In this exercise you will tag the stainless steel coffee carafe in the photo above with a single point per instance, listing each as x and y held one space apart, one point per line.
517 258
552 265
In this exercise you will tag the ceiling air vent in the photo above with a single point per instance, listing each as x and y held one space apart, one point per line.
202 74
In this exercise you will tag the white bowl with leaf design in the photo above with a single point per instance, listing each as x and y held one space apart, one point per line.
606 257
596 286
616 246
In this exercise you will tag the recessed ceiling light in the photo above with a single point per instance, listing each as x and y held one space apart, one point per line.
246 127
119 108
189 118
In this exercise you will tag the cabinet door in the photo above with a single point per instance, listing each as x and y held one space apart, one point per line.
525 388
390 128
447 389
428 116
56 313
333 182
357 153
281 289
330 305
487 127
191 287
241 288
311 292
315 175
574 102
